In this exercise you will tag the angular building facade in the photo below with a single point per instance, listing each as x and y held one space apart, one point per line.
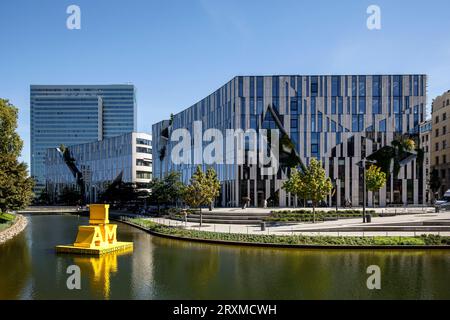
74 114
338 119
101 162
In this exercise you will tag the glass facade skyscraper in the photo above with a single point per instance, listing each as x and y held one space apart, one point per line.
338 119
75 114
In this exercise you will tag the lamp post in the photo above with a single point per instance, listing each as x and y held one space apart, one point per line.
336 183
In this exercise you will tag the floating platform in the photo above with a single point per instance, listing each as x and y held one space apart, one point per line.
118 246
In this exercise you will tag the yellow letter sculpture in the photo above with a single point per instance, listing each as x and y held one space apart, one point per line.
97 238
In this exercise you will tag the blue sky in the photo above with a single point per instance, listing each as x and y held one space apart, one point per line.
177 52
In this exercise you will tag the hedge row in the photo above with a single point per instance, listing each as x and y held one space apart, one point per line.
307 216
304 211
293 240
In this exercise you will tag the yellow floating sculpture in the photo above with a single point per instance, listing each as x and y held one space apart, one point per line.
99 237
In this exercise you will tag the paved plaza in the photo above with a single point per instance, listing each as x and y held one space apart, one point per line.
411 221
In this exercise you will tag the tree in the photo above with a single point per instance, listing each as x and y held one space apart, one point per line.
375 180
15 184
202 190
318 186
194 194
69 196
213 186
435 182
295 184
167 190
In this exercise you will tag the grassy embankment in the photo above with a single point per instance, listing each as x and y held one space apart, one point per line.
430 240
6 220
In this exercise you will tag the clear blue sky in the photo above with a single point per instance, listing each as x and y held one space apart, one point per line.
177 52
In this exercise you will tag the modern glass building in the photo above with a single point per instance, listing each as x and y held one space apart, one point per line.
101 163
339 119
75 114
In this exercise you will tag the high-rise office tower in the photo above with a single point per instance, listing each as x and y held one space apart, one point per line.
75 114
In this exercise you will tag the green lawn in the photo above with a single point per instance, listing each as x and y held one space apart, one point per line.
294 240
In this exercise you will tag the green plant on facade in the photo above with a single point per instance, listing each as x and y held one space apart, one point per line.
375 180
15 184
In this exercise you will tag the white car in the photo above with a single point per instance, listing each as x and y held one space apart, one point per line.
444 203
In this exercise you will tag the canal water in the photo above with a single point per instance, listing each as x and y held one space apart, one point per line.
168 269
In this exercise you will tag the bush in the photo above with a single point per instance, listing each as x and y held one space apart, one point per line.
7 217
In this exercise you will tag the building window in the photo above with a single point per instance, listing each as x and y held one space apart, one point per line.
444 130
436 120
144 142
437 161
362 105
314 86
143 163
143 150
376 106
444 115
436 133
376 86
398 123
362 86
436 146
383 126
444 144
398 86
333 105
143 175
294 123
335 86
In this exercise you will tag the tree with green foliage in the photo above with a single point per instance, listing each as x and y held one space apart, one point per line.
166 191
69 196
375 180
435 183
213 186
194 194
296 185
317 184
15 184
202 190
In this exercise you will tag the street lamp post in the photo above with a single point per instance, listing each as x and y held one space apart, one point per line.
364 189
336 182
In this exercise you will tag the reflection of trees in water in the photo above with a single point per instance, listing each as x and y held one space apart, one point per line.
15 266
262 273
